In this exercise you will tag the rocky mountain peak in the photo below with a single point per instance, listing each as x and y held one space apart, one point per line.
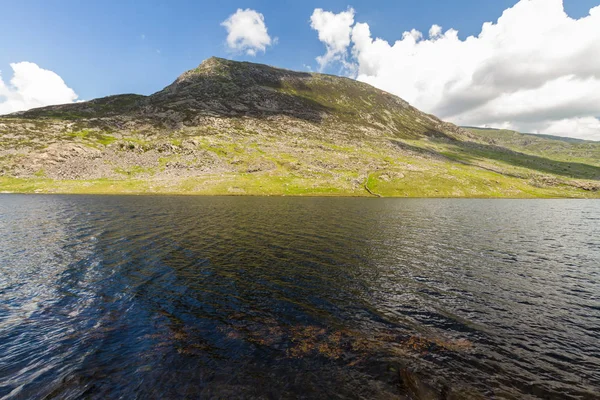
232 89
208 67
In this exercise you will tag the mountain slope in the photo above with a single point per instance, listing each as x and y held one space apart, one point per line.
554 147
240 128
223 88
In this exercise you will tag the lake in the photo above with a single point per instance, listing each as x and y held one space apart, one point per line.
186 297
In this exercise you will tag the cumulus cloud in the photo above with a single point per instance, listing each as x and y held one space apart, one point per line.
435 32
247 32
334 31
32 86
582 127
535 69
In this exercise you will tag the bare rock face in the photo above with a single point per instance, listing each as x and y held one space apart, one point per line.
59 152
61 161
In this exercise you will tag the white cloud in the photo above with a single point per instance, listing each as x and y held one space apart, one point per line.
32 86
435 32
585 127
334 31
247 32
577 127
535 69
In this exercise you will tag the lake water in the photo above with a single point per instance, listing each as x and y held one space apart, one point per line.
186 297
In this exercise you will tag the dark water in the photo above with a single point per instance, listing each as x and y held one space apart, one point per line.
181 297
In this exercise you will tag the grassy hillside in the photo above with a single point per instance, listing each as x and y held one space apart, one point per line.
241 128
553 147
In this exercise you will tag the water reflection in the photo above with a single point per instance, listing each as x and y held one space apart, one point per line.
175 297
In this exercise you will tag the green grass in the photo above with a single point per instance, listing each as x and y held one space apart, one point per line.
106 140
509 161
445 181
135 170
93 137
463 181
83 134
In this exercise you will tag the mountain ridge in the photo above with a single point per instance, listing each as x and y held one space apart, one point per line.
228 127
215 87
539 135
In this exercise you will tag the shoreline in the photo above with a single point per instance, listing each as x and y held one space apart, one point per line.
287 186
307 195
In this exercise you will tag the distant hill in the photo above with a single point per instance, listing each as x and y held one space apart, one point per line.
236 128
538 135
554 147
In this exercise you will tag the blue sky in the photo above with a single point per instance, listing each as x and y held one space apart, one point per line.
98 49
127 46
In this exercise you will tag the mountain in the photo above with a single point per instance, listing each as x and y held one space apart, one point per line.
241 128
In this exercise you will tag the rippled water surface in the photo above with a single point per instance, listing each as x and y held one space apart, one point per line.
187 297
